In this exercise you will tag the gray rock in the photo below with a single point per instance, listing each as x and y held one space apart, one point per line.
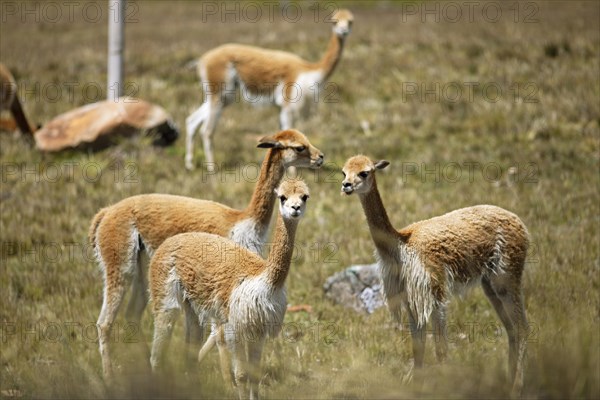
357 287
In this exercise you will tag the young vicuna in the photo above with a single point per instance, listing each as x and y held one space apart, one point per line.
204 273
121 233
422 264
262 75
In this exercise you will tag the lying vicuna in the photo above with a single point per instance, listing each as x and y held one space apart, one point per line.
424 263
204 273
123 232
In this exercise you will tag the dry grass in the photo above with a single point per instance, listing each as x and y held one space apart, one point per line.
547 152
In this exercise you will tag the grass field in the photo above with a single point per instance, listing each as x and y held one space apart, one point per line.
481 108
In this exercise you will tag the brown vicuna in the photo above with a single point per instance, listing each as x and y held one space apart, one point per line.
424 263
204 273
123 232
263 75
9 100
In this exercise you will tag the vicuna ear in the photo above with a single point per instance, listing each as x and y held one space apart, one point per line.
268 142
381 164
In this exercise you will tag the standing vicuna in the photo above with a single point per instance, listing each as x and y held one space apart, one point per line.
204 273
263 75
123 232
424 263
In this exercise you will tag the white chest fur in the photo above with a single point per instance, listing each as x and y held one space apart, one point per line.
309 81
403 274
257 308
247 233
305 88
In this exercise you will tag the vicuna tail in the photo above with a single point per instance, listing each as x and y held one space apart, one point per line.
94 226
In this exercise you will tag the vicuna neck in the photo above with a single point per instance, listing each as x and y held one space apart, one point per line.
20 117
278 263
9 89
263 199
383 233
332 56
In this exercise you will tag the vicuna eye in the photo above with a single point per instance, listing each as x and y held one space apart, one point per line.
363 174
283 199
304 198
300 149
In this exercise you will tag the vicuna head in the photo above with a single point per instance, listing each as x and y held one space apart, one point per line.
359 174
292 195
296 150
342 22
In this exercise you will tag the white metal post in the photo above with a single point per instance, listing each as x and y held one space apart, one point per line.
116 44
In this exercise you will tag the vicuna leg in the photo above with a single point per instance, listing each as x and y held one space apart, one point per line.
209 344
255 347
240 365
225 355
513 304
192 123
438 321
214 112
507 300
506 320
395 304
194 334
113 297
163 328
136 306
139 290
119 267
286 117
418 338
522 334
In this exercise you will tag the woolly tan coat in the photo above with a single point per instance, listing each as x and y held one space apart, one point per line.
205 273
122 232
263 75
458 248
425 262
97 125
